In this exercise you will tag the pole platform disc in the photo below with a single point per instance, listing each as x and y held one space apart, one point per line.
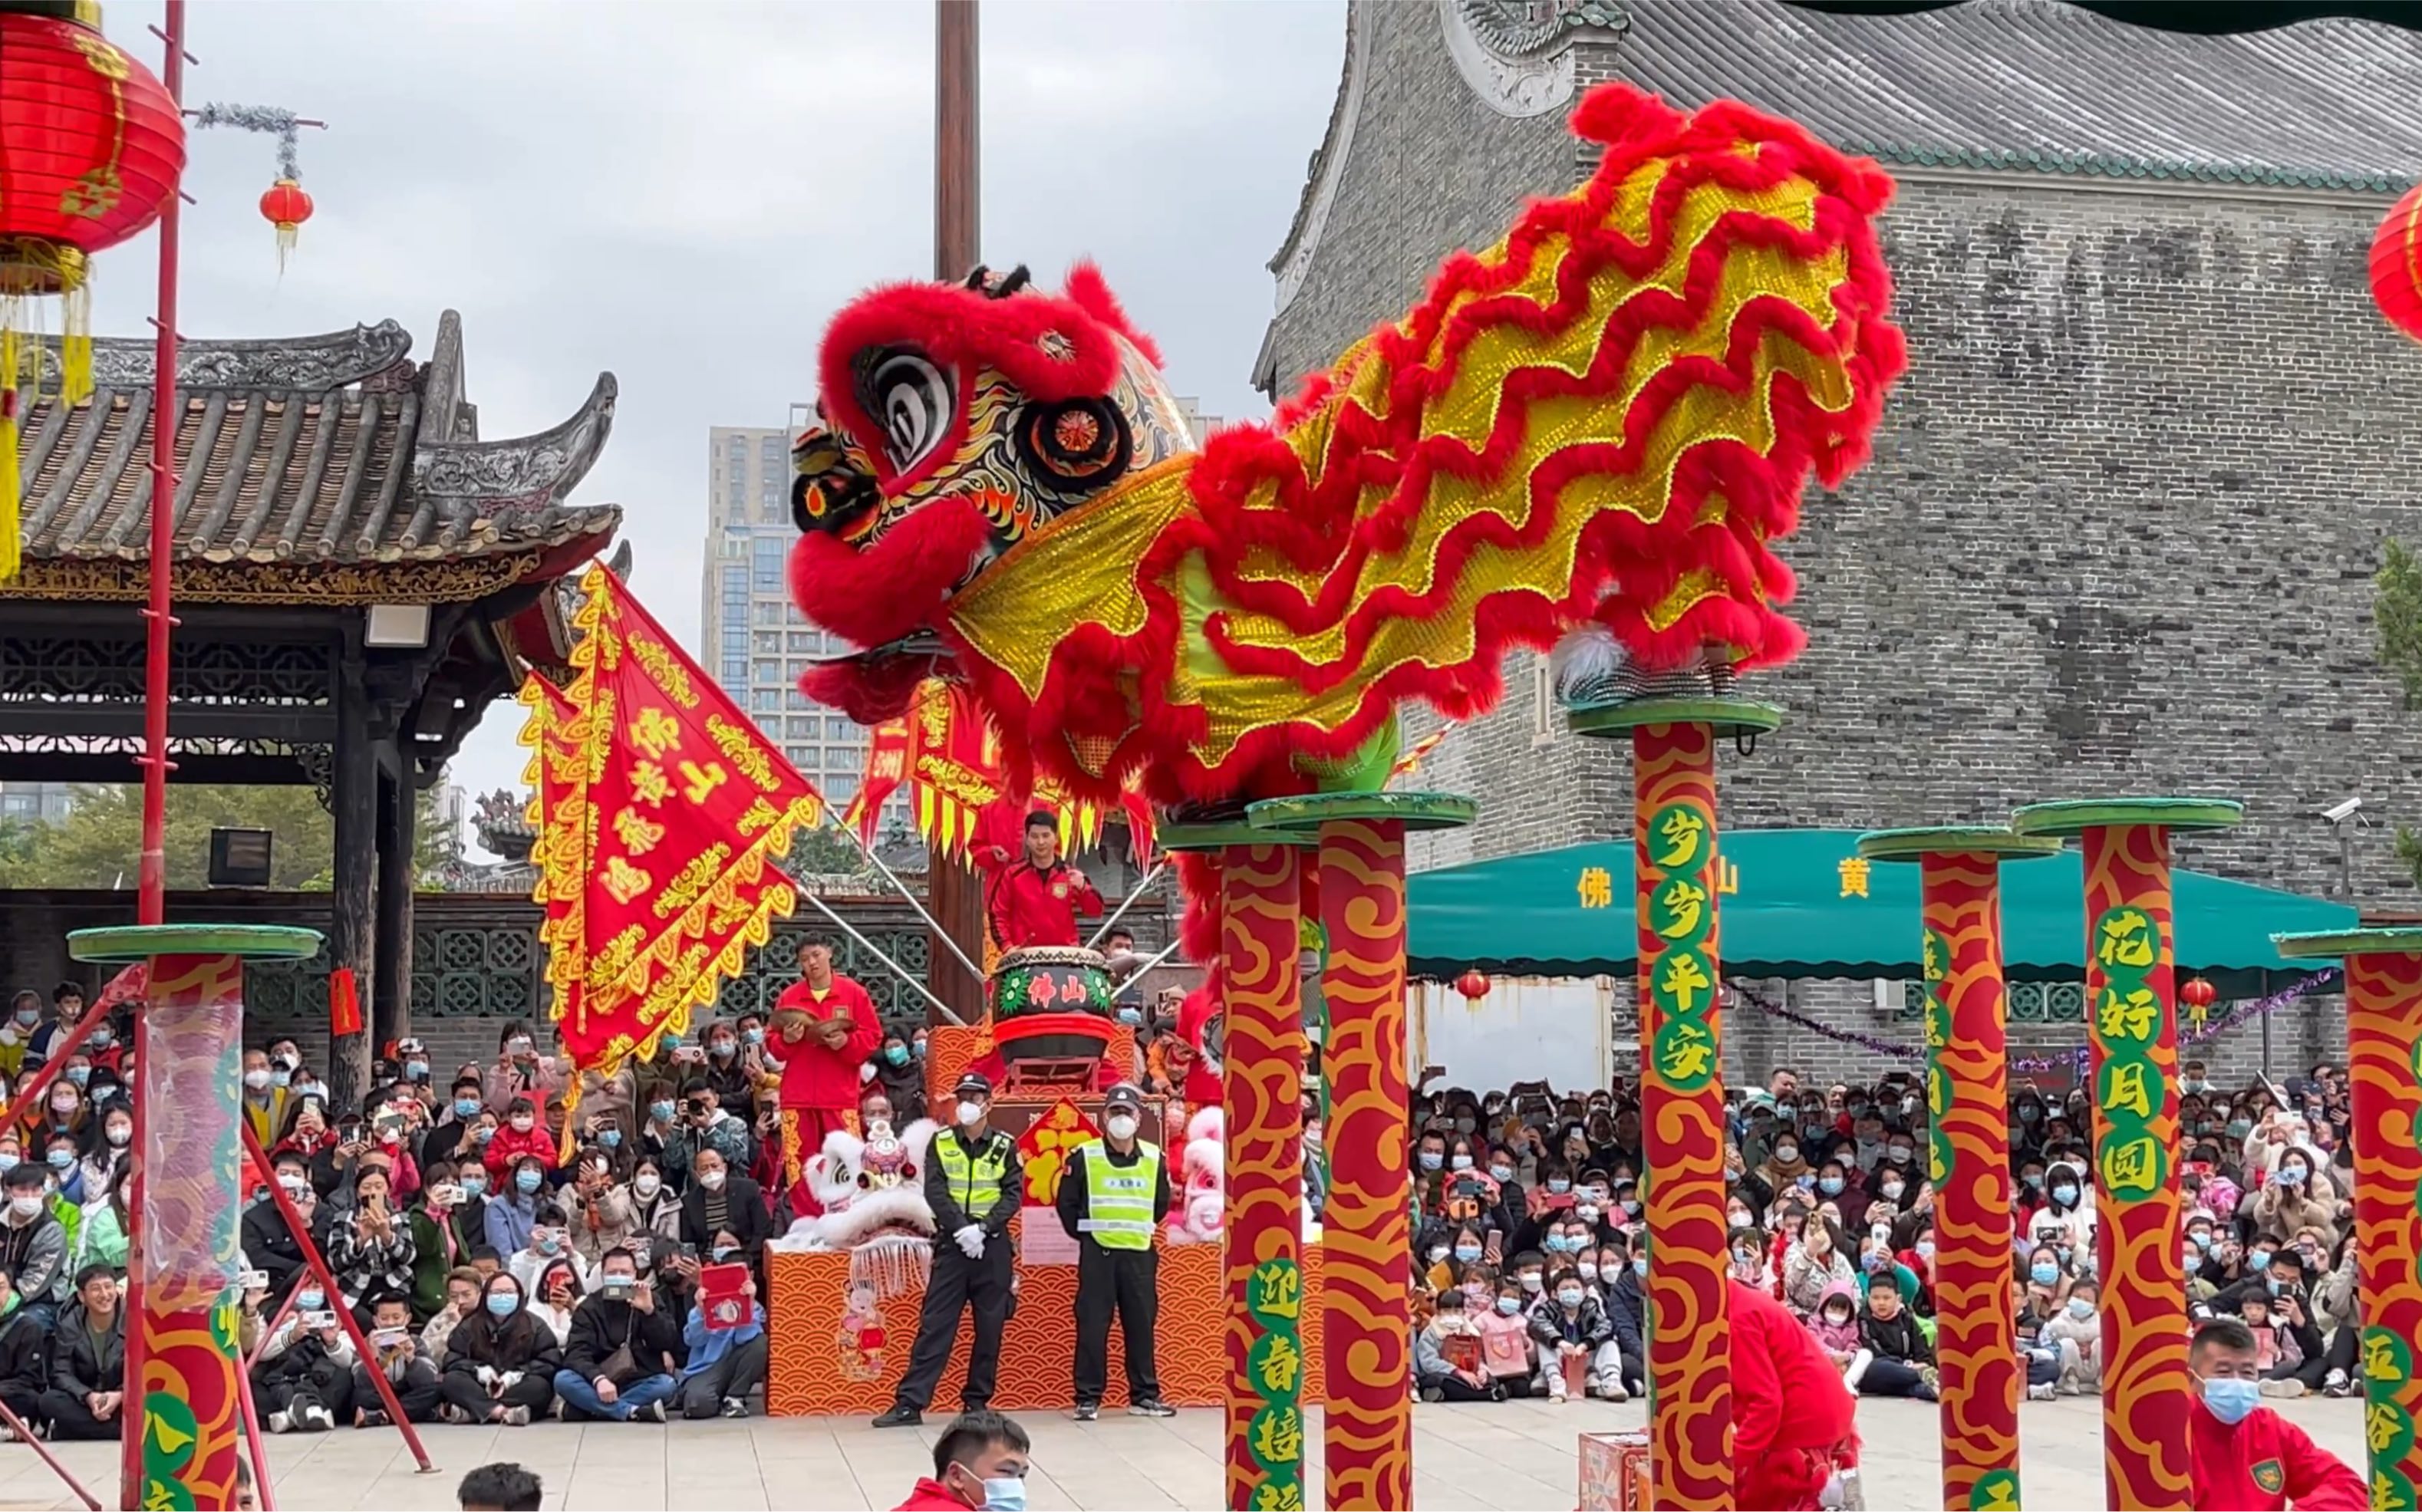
1956 840
2335 943
2074 816
122 944
1308 812
1725 716
1218 834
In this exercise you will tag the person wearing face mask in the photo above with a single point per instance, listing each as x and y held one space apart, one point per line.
624 1349
519 1071
1446 1355
1814 1262
500 1362
512 1211
1623 1285
266 1105
550 1245
973 1182
100 1240
724 1213
1567 1322
1113 1197
23 1021
704 1125
1785 1170
828 1026
654 1206
447 1225
522 1137
2064 1214
902 1077
2297 1194
34 1245
454 1137
979 1462
2241 1454
268 1243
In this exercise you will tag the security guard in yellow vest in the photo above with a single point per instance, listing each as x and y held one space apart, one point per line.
973 1183
1113 1198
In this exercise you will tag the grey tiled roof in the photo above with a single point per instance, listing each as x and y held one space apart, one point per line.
2045 85
327 449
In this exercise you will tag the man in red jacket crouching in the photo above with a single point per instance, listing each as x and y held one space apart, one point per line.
1793 1420
979 1461
2244 1457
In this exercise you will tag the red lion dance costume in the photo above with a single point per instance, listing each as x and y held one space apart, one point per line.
1590 433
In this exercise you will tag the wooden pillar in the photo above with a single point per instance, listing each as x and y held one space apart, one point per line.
390 988
353 797
953 893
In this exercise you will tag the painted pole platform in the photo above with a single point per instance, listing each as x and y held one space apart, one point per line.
2383 993
1967 1094
2133 1028
1681 1078
184 1257
1366 1240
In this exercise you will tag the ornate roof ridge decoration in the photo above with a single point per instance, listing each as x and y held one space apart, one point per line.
1291 262
1518 55
312 364
528 473
2103 165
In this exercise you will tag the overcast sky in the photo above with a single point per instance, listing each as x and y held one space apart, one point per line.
682 194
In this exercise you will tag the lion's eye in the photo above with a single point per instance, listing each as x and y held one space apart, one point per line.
913 402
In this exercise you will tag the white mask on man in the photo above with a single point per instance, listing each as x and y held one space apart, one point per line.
1120 1126
970 1114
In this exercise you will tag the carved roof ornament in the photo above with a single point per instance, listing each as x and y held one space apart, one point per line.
312 364
531 471
1518 55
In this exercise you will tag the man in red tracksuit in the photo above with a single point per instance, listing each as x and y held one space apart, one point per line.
828 1027
1035 901
2241 1456
1792 1417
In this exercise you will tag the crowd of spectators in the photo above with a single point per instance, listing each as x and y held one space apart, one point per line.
1529 1227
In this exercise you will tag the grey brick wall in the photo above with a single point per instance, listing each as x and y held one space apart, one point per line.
2118 534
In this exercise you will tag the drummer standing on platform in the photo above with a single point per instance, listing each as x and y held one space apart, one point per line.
1035 901
828 1027
973 1183
1113 1196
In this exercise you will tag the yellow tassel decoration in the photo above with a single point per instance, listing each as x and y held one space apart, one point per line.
11 485
75 348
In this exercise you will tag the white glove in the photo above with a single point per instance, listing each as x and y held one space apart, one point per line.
970 1238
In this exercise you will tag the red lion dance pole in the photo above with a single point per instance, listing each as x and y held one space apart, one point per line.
2131 1024
1594 431
1967 1083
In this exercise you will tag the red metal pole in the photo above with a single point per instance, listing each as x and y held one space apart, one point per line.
260 1491
31 1098
26 1435
311 1257
130 1442
153 877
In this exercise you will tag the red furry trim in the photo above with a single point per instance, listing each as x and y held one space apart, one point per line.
1086 289
868 692
1251 492
962 329
895 586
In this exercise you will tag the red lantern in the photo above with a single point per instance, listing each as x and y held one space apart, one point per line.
286 207
2397 264
93 149
1473 984
2198 994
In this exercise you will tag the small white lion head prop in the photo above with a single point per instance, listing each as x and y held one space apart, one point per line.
873 1195
1201 1207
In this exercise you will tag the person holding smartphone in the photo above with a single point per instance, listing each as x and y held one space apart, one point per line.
622 1349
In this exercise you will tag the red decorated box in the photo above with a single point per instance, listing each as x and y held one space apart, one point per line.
1614 1472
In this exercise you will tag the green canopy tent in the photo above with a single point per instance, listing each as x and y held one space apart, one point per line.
1799 902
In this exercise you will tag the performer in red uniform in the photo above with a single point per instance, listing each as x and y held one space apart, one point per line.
1793 1420
828 1027
2241 1456
1036 900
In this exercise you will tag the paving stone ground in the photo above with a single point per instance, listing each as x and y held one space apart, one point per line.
1515 1454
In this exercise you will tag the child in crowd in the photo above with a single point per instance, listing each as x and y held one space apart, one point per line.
1507 1355
2077 1332
1901 1361
1570 1323
1835 1324
1446 1355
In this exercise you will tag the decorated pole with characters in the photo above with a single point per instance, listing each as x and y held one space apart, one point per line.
1967 1090
1366 1243
2131 1027
1681 1078
2383 994
188 1060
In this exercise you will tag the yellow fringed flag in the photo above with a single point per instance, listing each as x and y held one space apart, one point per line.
661 810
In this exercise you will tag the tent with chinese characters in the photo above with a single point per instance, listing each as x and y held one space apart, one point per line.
1799 902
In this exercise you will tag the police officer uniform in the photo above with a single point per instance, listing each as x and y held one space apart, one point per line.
973 1183
1112 1204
